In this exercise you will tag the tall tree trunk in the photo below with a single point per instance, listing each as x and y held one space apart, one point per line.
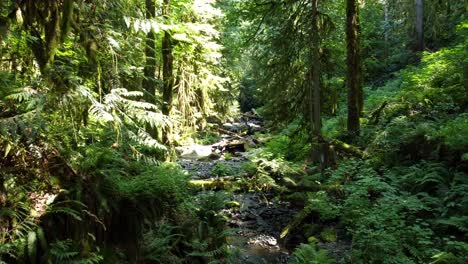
168 77
419 30
315 72
386 29
354 72
149 82
50 32
318 147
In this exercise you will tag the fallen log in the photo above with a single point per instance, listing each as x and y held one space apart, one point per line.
346 148
233 134
214 183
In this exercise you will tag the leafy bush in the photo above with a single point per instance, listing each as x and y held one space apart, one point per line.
221 169
398 216
271 172
208 138
290 144
455 132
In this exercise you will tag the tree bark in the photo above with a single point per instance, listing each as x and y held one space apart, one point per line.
354 68
45 20
168 77
419 29
314 90
149 81
315 78
386 29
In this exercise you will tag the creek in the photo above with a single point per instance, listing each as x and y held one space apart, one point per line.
258 218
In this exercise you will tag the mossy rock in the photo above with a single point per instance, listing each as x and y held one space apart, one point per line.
328 234
312 240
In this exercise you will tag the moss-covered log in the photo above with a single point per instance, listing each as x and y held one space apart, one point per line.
213 183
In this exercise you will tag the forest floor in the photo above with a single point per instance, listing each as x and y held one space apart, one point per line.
256 218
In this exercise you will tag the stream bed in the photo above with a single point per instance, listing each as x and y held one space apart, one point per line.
258 219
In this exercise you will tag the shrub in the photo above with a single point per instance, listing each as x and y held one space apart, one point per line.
221 169
455 132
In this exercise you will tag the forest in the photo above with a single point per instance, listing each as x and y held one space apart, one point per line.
233 131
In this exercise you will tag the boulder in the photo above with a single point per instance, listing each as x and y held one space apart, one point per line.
195 152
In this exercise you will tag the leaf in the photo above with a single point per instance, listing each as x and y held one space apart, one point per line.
136 25
127 21
113 43
146 26
181 37
7 150
155 26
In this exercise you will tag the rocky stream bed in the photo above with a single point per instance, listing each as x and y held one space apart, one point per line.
258 219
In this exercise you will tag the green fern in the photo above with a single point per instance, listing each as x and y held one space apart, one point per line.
23 94
310 254
63 251
64 207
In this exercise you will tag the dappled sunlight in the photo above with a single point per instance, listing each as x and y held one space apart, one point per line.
233 131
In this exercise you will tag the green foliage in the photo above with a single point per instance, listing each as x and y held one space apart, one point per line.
320 202
221 169
270 172
77 120
155 190
64 251
290 144
328 234
455 132
208 138
157 245
395 217
311 254
209 239
424 108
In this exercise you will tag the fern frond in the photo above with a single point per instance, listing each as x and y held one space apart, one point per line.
23 94
100 112
63 207
144 139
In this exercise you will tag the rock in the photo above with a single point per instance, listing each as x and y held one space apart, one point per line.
229 146
195 152
271 241
253 128
214 156
227 126
265 241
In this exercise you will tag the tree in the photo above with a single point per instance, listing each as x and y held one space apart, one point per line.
149 81
419 27
168 65
314 89
354 69
48 23
149 71
315 74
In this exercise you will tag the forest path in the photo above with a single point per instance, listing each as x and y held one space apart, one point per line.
258 218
